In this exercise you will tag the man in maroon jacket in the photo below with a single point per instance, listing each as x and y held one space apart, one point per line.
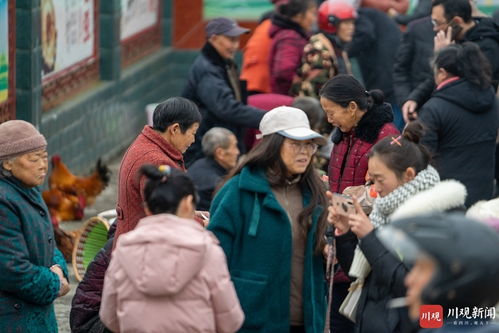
175 122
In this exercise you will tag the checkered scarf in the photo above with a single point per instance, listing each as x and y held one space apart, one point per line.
384 207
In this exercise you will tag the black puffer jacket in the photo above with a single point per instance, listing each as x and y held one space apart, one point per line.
486 35
461 123
385 281
412 63
375 43
209 87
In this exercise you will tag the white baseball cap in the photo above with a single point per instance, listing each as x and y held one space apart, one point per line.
291 123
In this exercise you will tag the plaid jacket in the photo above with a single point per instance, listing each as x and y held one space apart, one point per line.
27 250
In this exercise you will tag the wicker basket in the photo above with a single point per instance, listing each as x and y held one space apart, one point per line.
88 243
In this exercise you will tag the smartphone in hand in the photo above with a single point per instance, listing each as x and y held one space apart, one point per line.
343 204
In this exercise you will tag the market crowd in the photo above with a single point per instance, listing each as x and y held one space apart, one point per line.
343 181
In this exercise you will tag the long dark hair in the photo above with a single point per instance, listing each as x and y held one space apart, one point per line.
165 188
400 153
343 89
465 60
266 155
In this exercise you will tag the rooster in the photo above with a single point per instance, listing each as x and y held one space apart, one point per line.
68 196
63 206
86 188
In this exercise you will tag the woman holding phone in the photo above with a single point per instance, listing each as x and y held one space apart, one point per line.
361 118
407 185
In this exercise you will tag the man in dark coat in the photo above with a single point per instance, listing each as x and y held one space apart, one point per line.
375 43
221 153
412 63
213 84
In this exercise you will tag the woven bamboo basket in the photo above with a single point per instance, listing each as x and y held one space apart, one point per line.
88 243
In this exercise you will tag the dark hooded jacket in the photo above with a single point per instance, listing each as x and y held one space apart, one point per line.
209 87
461 123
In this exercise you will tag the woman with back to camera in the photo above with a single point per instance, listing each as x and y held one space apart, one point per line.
270 220
32 270
407 185
461 120
361 119
169 274
290 31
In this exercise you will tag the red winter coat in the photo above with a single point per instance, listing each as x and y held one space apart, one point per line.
348 163
288 41
148 148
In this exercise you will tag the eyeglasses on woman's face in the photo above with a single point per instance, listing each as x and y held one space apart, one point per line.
299 146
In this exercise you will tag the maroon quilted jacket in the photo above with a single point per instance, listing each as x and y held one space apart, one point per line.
348 163
148 148
288 41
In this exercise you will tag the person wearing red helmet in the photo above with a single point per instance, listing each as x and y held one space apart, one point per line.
324 56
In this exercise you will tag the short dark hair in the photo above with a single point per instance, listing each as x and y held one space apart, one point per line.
453 8
165 189
178 110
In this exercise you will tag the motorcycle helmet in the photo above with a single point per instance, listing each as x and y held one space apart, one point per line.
331 13
466 253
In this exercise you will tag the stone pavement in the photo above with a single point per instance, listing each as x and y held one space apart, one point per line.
105 201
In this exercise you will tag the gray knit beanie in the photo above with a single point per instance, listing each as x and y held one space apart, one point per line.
18 137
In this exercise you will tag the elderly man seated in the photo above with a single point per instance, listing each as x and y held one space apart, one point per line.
220 150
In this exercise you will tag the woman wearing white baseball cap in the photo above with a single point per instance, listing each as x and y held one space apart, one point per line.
269 218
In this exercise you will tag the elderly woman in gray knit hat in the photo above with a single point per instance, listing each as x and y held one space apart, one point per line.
33 272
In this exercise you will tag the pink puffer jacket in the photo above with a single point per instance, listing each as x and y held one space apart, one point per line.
169 275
